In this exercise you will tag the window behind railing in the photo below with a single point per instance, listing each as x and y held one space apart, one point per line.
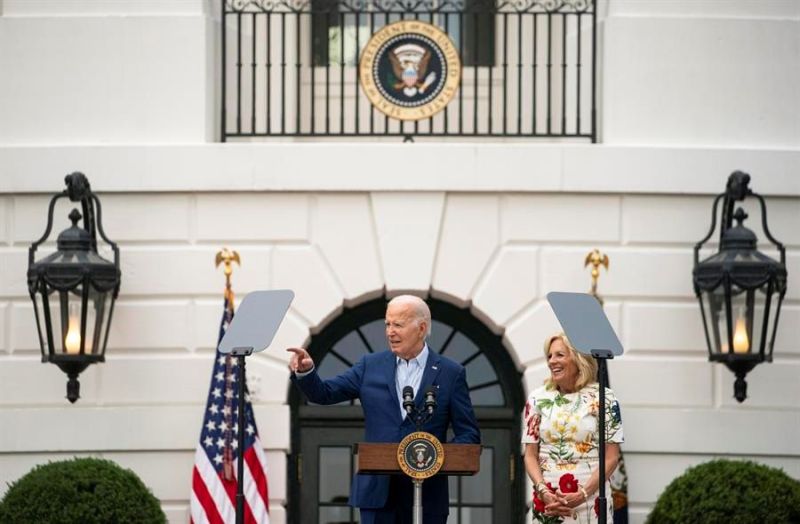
290 67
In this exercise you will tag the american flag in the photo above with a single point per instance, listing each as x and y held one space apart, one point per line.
215 460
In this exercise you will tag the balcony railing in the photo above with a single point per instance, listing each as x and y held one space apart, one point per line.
290 68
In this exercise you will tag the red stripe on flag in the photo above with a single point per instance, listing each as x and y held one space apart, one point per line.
257 470
249 518
202 494
230 489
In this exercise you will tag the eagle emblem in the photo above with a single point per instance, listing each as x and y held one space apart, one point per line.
409 70
409 64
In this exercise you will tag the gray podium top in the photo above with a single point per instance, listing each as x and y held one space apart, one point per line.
257 320
585 324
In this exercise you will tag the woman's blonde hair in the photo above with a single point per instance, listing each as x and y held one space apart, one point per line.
587 366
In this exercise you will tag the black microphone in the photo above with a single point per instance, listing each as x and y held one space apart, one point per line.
408 399
430 399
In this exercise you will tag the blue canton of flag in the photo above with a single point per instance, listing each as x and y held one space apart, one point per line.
214 475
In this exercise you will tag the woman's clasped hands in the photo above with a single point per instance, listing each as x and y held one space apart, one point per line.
561 504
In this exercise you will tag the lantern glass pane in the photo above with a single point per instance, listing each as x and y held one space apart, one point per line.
766 326
65 314
60 303
742 313
99 309
713 303
91 324
41 322
95 309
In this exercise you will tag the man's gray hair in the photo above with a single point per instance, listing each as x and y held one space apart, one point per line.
421 310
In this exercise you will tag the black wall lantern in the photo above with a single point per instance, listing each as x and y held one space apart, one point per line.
73 290
739 288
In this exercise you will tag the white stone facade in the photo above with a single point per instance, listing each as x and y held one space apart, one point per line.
126 91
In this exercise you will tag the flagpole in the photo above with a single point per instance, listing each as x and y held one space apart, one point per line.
227 257
597 259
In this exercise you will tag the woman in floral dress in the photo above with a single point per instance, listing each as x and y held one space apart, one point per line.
561 438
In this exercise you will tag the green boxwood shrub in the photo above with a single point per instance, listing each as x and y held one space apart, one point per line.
81 490
729 492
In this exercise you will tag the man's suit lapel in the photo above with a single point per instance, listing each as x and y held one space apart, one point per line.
428 376
389 370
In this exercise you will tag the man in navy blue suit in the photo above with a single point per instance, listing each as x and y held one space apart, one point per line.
378 380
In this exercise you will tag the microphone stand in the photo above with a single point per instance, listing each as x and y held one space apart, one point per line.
420 416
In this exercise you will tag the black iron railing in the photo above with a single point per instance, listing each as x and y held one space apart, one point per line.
290 68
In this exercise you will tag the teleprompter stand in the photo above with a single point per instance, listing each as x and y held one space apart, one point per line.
590 332
253 327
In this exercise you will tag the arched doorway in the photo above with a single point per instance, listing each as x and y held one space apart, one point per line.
321 466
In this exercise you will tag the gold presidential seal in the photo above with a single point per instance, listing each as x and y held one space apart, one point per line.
420 455
410 70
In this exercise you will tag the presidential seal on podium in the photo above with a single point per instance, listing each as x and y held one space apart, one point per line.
420 455
410 70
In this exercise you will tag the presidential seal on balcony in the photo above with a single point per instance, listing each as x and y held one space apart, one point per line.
410 70
420 455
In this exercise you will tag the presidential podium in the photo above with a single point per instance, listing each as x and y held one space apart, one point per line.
381 459
384 459
420 455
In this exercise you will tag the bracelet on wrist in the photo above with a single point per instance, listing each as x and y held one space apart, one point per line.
583 492
540 488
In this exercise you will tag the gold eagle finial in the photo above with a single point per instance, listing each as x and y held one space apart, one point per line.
228 257
596 259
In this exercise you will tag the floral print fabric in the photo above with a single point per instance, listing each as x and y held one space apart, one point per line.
565 427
